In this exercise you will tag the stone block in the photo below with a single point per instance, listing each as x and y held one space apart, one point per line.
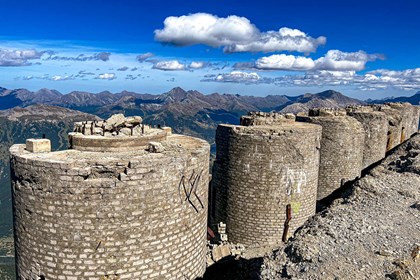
225 250
216 254
38 145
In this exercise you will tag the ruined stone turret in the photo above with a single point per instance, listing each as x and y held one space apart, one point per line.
260 171
375 125
342 146
263 118
409 118
118 205
395 121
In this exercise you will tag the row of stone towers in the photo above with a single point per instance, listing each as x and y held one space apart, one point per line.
270 170
130 201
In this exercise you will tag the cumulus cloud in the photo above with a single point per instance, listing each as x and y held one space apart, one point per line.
61 78
234 34
106 76
102 56
14 57
285 62
144 56
197 65
235 77
48 77
408 79
342 61
169 65
334 60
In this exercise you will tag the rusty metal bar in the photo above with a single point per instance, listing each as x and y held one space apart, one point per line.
286 223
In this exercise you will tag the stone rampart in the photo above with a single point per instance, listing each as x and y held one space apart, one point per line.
342 145
375 125
112 215
263 118
258 171
394 124
410 118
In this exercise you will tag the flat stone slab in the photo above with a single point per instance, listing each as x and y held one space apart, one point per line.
38 145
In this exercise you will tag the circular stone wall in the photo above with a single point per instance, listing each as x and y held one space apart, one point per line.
394 125
375 125
258 171
410 119
342 146
88 215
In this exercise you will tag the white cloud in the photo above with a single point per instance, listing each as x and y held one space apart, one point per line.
144 56
169 65
236 77
285 62
16 57
103 56
197 64
408 79
334 60
342 61
61 78
106 76
235 34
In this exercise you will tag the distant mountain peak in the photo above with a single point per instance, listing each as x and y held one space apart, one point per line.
329 93
175 95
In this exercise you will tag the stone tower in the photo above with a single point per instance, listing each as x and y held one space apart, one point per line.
375 125
394 124
260 170
127 202
410 118
342 145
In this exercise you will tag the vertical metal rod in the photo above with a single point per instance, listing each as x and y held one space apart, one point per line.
286 223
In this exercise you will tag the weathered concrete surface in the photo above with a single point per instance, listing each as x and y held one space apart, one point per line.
342 146
104 215
258 171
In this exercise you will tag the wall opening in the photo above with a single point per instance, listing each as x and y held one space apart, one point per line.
388 142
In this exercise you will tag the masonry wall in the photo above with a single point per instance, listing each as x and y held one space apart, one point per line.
394 124
410 119
341 153
375 125
258 171
86 215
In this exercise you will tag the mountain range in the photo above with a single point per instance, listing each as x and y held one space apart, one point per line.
188 112
415 99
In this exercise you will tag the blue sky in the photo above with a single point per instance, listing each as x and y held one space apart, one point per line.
366 49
